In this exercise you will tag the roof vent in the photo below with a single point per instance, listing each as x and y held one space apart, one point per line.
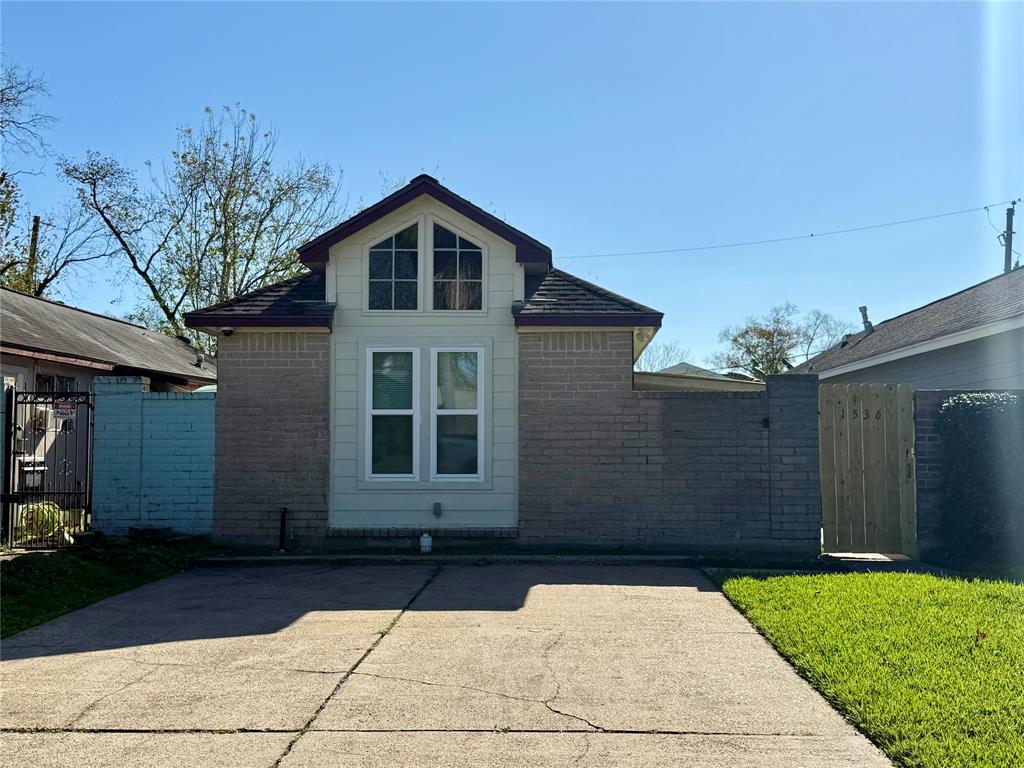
868 327
200 359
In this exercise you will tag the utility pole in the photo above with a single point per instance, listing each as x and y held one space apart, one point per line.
1008 240
33 248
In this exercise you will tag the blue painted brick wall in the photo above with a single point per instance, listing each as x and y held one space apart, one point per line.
153 457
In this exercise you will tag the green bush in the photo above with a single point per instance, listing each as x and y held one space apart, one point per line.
983 495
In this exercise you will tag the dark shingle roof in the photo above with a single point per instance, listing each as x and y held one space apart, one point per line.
688 369
1000 298
38 325
561 298
297 302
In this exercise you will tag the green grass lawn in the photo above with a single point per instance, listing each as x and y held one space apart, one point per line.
931 669
37 587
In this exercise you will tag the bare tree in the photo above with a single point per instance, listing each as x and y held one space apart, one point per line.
660 355
777 341
52 248
22 121
821 331
219 219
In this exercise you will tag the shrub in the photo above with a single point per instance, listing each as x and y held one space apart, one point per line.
983 451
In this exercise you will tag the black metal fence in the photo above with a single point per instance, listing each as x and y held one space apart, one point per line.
47 468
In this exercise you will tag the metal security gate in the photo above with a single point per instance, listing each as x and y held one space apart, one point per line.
47 469
868 488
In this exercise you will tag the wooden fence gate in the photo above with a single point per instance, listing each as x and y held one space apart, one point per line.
868 487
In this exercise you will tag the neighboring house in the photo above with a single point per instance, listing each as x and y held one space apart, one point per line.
49 346
685 377
380 391
973 339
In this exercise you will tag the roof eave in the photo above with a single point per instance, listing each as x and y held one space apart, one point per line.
589 320
528 251
199 321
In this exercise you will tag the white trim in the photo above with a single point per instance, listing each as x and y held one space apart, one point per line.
418 222
414 412
478 412
484 258
949 340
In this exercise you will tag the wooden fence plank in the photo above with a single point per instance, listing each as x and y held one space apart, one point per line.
876 512
908 486
829 492
844 524
858 539
893 467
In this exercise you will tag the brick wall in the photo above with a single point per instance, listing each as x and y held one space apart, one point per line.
601 465
929 472
153 457
272 437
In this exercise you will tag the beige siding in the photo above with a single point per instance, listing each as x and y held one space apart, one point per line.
357 502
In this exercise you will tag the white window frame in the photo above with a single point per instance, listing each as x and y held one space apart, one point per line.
414 412
481 243
367 246
478 412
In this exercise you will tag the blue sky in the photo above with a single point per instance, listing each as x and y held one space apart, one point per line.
597 128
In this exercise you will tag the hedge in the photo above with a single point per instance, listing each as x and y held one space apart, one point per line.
983 496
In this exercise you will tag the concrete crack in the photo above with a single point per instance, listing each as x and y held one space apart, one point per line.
91 705
373 646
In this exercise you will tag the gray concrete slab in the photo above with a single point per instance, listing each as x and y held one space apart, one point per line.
142 750
544 750
545 664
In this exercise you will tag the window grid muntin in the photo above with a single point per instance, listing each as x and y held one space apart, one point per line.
390 246
456 283
478 412
412 413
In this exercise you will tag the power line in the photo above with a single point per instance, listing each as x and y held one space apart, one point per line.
790 238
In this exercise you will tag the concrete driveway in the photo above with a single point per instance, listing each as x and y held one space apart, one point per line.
499 665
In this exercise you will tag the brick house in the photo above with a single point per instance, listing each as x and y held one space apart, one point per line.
434 372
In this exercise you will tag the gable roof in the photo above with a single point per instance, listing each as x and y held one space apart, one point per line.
528 250
996 300
564 299
40 327
294 303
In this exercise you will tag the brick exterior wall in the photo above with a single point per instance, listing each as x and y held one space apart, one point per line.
929 469
153 457
273 430
602 465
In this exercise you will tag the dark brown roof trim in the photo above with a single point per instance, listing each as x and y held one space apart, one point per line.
590 320
528 250
214 320
55 357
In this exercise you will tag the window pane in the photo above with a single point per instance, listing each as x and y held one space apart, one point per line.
444 294
380 294
392 445
385 245
456 380
443 238
444 265
470 295
464 244
457 445
380 265
406 238
392 380
470 265
405 294
405 265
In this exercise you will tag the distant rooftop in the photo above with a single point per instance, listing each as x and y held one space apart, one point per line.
41 326
997 299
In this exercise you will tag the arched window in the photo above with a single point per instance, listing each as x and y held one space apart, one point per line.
458 271
394 272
